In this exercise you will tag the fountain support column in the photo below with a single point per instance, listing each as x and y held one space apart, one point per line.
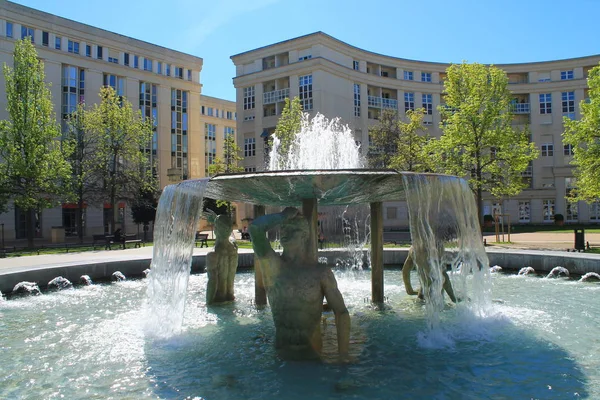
260 293
377 252
309 210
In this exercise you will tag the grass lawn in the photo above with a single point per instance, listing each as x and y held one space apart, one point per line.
549 228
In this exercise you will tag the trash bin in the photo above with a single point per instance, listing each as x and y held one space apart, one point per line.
57 234
580 239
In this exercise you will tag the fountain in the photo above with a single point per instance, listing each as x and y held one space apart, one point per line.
99 341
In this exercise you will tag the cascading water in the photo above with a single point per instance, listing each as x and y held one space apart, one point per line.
321 144
442 209
177 216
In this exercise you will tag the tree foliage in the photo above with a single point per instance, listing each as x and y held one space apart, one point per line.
229 163
288 126
397 144
34 169
84 184
479 142
120 134
584 136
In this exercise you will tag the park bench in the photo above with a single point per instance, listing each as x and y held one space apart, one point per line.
100 239
131 239
202 238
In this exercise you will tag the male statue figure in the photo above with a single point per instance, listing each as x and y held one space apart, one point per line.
296 286
221 263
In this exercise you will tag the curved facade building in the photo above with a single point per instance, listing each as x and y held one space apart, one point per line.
340 80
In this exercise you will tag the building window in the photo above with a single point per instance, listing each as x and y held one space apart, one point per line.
307 57
136 61
409 101
26 32
566 75
355 65
168 69
149 109
408 75
57 42
178 72
572 208
99 52
595 211
159 67
45 39
357 100
9 29
189 74
147 64
305 91
428 104
126 59
73 89
210 112
249 169
73 47
210 145
249 118
115 82
88 50
228 130
179 132
249 102
524 211
425 76
568 104
545 103
249 147
229 115
568 150
547 150
548 210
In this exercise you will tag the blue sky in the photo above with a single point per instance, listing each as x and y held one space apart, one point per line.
486 31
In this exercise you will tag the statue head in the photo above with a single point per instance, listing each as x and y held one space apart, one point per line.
223 226
294 232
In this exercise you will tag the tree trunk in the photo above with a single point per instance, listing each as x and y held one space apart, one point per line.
79 217
30 223
480 206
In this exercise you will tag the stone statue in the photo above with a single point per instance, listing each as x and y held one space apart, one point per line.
409 265
221 263
296 286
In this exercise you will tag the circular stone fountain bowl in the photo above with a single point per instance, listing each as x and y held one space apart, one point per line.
329 187
538 341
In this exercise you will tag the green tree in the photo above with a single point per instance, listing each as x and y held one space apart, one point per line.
398 144
478 141
288 126
120 135
34 170
228 164
143 208
584 136
84 185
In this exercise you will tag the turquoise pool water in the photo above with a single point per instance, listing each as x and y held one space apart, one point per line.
540 340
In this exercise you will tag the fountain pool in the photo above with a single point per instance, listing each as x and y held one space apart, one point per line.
539 340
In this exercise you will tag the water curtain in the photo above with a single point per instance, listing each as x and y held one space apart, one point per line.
177 217
443 215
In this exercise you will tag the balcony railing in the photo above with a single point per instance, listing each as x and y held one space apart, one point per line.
382 102
520 108
276 96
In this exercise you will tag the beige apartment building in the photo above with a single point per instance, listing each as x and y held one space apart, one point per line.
165 84
340 80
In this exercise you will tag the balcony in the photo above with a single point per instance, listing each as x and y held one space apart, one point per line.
276 96
382 102
519 108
